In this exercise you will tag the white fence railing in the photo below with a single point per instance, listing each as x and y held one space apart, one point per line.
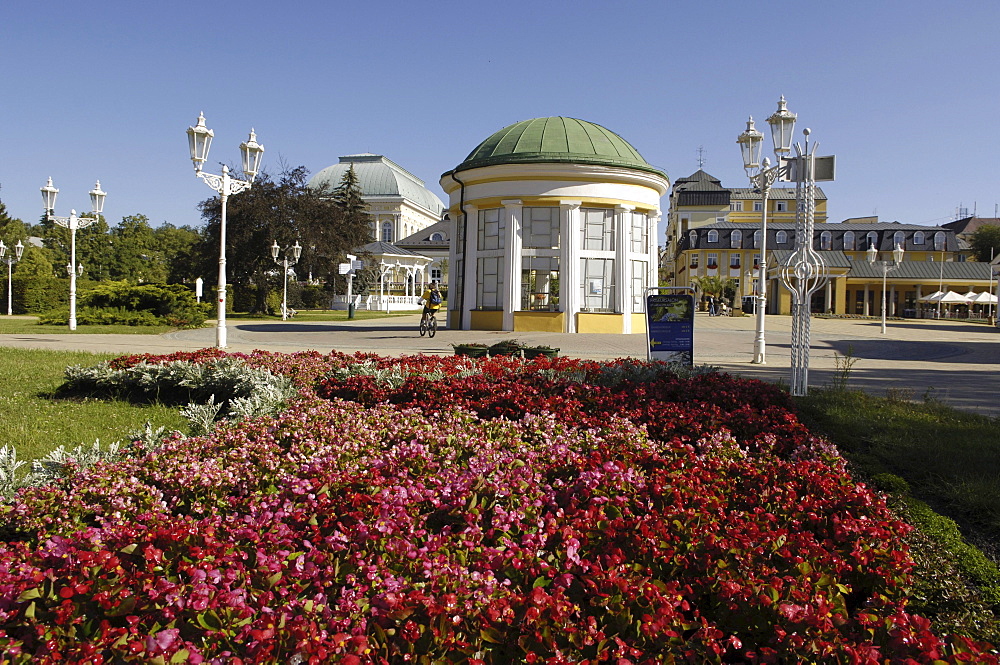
378 303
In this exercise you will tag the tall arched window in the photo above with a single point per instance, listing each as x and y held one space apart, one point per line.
756 238
849 240
713 236
826 240
939 241
736 239
898 238
918 237
387 232
781 237
693 239
871 239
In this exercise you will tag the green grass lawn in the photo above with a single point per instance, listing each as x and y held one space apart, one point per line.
28 325
34 423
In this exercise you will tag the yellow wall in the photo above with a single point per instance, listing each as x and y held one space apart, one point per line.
840 295
638 323
487 320
539 322
599 323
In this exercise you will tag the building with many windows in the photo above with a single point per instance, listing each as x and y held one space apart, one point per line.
554 229
398 202
932 261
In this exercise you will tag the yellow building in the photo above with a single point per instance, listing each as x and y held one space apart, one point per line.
700 200
932 261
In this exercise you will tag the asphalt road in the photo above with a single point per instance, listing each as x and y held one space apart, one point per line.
952 361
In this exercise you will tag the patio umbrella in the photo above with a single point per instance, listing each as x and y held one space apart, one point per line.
985 298
934 297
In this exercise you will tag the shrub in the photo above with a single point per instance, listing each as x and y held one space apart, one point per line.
34 295
135 305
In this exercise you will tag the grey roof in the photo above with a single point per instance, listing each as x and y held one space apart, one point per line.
948 271
422 237
379 247
776 193
833 259
699 181
884 235
380 177
971 224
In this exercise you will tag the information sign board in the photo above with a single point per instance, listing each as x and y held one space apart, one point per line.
670 327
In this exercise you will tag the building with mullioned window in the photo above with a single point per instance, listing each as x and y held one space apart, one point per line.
554 225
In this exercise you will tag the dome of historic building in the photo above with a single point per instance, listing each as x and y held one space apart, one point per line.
556 139
380 177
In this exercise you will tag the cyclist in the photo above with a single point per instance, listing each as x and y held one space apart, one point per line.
432 300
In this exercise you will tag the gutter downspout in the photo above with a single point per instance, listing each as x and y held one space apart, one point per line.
465 241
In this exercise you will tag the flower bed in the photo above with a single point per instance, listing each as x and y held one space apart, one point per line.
554 510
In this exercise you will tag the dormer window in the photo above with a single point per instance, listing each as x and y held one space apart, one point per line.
713 236
781 237
849 242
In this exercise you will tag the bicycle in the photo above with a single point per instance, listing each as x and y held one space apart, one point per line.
428 324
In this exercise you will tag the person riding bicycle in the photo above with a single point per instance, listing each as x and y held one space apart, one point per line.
432 300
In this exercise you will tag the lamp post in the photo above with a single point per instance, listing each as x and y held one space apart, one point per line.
11 260
72 223
200 140
805 272
762 176
887 266
285 264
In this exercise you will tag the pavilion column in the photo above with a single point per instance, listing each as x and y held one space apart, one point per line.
569 262
891 306
623 285
471 261
867 311
828 297
652 249
513 241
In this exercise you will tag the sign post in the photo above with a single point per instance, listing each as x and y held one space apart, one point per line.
670 324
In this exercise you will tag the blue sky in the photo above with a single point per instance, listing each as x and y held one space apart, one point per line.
904 93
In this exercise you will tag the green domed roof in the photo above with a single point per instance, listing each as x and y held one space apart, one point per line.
556 139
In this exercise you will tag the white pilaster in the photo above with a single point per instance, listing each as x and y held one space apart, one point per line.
512 260
471 259
622 274
569 261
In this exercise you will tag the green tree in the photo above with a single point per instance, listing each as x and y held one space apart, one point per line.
985 242
283 211
349 198
135 256
12 229
713 285
178 245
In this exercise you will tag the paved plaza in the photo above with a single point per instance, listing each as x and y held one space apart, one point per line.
953 361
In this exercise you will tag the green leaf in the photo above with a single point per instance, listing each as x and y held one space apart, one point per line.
29 594
541 582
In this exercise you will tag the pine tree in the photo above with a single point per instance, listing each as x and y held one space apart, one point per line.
349 198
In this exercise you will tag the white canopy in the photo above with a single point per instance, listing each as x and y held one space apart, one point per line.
985 298
934 297
953 298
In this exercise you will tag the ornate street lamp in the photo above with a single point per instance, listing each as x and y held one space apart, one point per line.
199 141
286 263
72 223
805 272
10 260
762 176
887 266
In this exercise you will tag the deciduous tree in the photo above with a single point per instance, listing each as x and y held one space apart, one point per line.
985 242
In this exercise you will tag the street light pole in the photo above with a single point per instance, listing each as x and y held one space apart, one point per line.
285 264
762 176
72 223
887 267
11 260
200 140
